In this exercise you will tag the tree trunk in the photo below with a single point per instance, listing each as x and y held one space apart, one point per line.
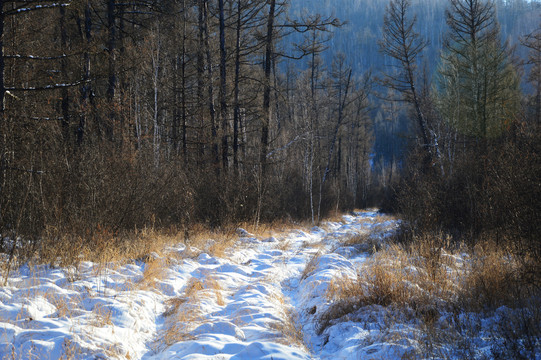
86 90
65 123
210 88
183 85
267 89
236 110
2 63
223 87
341 108
200 77
111 48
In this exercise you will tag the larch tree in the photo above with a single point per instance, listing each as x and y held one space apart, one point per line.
478 80
404 45
533 42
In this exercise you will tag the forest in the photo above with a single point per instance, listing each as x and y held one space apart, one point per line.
176 138
118 116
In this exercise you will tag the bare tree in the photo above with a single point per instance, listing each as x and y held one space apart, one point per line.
405 46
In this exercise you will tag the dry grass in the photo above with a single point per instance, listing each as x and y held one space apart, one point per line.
284 245
334 216
207 287
364 242
179 328
492 279
65 307
102 316
213 241
193 287
155 270
393 277
277 228
184 314
311 265
106 246
289 330
422 281
70 350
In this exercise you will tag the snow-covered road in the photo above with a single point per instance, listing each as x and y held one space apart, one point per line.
261 301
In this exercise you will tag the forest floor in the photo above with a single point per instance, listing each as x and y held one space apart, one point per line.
283 296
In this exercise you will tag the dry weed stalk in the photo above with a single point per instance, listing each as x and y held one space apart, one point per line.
288 330
311 265
155 270
284 245
182 316
70 350
102 316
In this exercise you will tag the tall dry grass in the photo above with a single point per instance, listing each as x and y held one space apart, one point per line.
427 280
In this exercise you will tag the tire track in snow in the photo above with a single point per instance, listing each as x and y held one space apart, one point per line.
269 304
259 303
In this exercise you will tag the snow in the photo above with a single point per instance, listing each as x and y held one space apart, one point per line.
262 301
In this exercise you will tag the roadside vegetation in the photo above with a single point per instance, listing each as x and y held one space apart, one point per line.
119 143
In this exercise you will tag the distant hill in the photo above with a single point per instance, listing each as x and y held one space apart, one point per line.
358 38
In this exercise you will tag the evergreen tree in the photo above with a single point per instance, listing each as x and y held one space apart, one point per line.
479 92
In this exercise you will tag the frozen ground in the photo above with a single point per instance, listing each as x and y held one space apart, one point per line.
262 300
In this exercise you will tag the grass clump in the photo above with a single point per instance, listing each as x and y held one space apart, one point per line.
436 286
184 313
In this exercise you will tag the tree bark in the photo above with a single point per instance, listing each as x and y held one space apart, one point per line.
265 123
210 88
111 86
223 87
236 104
2 63
86 90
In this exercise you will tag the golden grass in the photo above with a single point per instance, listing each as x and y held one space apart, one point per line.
334 216
215 242
70 350
491 279
288 330
277 228
102 317
105 246
311 265
184 314
364 241
284 245
392 277
64 306
155 270
423 279
207 287
193 287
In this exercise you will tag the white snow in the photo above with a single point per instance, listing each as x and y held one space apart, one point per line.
262 301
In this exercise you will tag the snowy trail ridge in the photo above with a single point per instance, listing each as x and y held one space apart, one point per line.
262 300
